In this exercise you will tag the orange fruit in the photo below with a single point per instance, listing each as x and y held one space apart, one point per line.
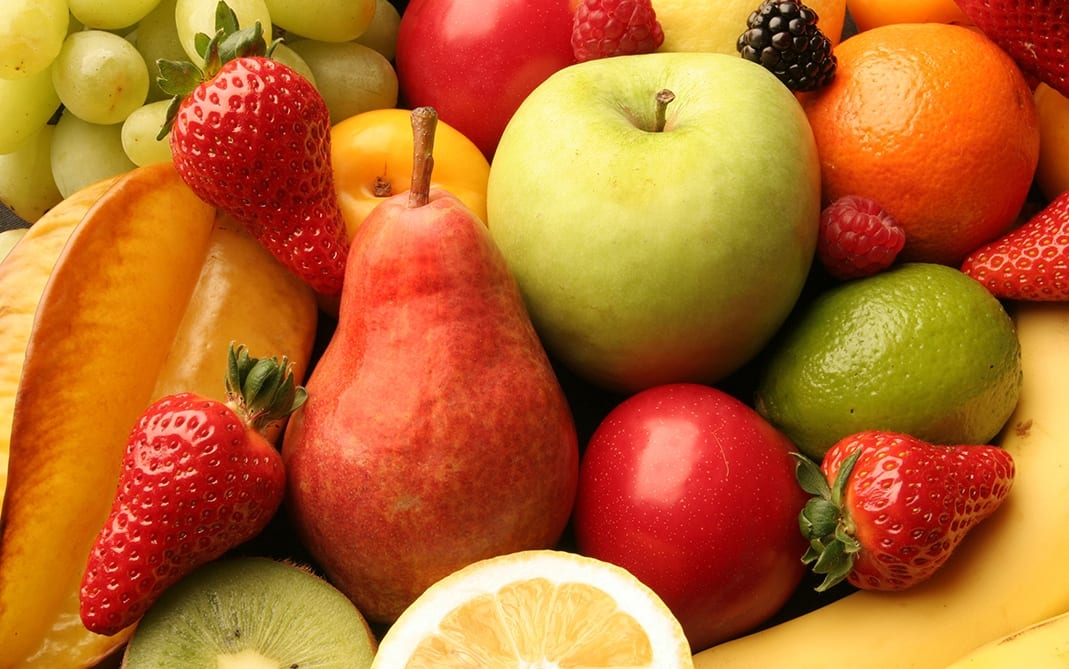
537 608
938 125
869 14
1052 175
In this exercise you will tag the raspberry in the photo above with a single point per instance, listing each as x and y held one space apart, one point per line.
858 238
784 38
605 28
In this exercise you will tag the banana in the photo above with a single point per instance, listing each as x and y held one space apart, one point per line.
1043 645
1008 573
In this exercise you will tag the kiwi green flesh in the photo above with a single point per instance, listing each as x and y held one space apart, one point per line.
251 613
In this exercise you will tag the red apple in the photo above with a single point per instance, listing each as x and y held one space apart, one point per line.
695 494
474 62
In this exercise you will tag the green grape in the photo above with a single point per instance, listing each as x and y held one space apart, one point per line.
287 56
110 14
157 38
31 34
324 20
26 183
100 77
351 77
26 104
83 153
381 35
198 16
74 25
139 132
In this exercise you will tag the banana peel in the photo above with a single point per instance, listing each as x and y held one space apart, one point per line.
1041 645
1007 574
148 291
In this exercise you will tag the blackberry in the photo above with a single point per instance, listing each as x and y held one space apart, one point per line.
785 39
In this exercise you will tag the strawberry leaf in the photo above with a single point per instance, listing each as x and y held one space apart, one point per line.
818 518
226 19
242 43
168 122
824 522
810 478
177 77
201 44
835 563
261 390
229 42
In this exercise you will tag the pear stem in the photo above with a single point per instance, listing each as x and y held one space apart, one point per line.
424 123
664 97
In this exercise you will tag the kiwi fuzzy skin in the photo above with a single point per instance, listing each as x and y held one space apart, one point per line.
258 611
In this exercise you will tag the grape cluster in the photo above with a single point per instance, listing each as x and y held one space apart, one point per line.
78 96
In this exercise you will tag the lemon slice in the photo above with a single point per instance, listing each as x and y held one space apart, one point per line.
537 609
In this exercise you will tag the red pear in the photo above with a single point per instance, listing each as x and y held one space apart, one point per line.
435 432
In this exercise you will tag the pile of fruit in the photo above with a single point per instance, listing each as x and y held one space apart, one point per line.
517 333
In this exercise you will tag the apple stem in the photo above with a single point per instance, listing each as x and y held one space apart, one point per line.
664 97
424 122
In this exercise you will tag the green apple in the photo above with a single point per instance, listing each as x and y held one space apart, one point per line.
650 254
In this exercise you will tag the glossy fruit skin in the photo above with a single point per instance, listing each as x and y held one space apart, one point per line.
693 492
910 503
1031 31
918 348
476 61
1031 261
254 141
196 481
371 154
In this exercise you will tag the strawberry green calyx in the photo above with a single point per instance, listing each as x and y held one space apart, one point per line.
825 523
261 390
230 42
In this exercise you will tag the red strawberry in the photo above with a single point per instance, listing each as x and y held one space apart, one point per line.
889 509
1030 262
198 478
251 136
1032 32
605 28
858 237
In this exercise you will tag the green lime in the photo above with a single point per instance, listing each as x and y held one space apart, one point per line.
920 348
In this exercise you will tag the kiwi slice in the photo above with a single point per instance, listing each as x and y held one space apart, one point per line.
251 613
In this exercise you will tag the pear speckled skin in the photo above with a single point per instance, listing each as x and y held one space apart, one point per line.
435 432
